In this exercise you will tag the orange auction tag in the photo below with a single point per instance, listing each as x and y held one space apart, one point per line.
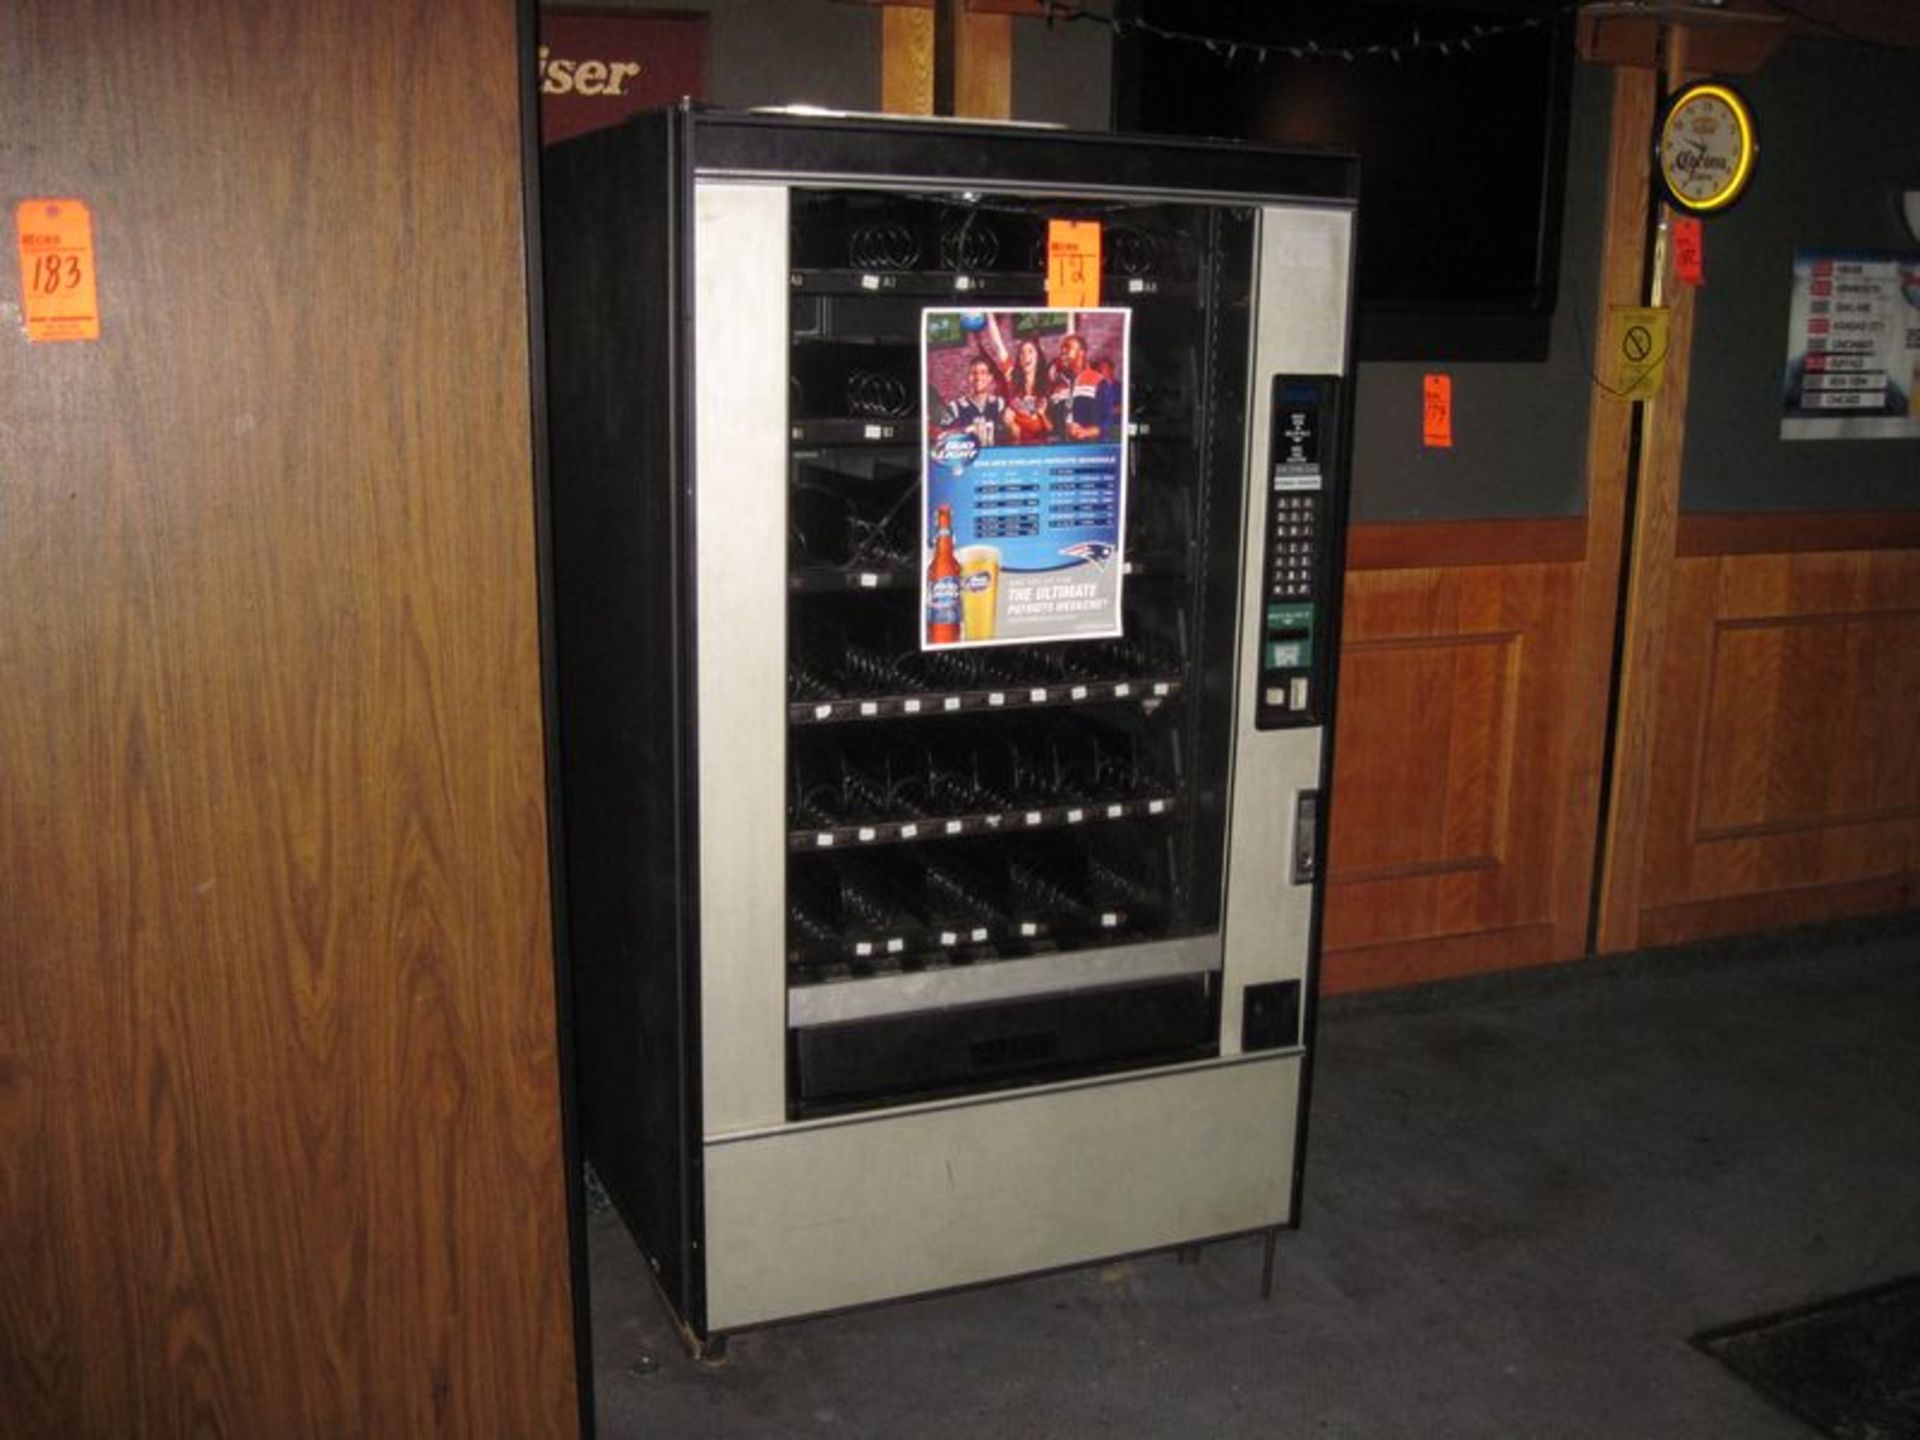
1689 262
58 300
1073 263
1436 417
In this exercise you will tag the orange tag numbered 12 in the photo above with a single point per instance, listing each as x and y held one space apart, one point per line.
1073 264
57 296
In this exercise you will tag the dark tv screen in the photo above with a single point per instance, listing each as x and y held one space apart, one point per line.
1462 152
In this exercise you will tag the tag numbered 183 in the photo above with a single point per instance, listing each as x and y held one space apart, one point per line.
58 296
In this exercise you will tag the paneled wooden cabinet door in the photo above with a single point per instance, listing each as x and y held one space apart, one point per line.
1784 751
1451 833
279 1099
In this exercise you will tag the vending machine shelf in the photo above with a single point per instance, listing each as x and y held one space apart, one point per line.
969 902
930 703
1015 820
930 284
838 579
1167 431
852 430
915 950
951 285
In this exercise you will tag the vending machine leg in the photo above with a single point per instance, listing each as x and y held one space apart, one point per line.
1266 1264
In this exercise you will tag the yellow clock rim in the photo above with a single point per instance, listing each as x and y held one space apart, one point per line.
1742 117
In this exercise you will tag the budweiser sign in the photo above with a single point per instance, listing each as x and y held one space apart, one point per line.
584 77
599 66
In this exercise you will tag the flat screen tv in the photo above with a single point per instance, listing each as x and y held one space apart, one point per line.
1462 150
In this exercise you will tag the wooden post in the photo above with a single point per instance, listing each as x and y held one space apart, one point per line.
1610 425
944 57
906 60
1654 498
983 66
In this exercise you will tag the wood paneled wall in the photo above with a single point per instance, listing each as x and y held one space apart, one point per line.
1784 784
279 1101
1449 824
1786 752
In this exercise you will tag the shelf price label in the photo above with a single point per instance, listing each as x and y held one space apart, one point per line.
58 299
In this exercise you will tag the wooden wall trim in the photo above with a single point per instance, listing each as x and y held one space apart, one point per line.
1725 42
1447 957
1805 824
1029 9
1789 532
1808 905
1443 544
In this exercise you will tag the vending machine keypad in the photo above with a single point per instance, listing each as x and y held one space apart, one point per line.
1296 590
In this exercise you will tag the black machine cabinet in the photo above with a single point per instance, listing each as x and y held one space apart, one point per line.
945 624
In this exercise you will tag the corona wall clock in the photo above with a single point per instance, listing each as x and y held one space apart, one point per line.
1706 148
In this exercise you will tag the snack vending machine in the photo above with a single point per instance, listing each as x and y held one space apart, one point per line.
947 524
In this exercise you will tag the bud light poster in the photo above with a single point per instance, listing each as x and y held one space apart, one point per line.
1024 482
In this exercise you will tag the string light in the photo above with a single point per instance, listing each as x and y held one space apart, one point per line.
1218 46
1394 50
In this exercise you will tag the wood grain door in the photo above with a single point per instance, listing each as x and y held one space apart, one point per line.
1461 828
279 1102
1782 748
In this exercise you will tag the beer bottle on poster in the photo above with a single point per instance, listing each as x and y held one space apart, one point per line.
943 583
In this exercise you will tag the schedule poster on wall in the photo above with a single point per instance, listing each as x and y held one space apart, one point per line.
1853 347
1023 482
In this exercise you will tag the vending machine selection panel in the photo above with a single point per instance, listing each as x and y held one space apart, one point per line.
1292 678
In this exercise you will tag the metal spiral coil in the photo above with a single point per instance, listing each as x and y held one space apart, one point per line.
969 247
874 394
1132 252
885 246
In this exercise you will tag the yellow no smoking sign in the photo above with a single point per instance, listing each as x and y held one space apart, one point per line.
1636 351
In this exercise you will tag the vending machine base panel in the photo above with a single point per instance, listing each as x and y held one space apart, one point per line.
833 1214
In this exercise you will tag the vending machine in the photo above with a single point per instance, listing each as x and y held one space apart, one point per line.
946 526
